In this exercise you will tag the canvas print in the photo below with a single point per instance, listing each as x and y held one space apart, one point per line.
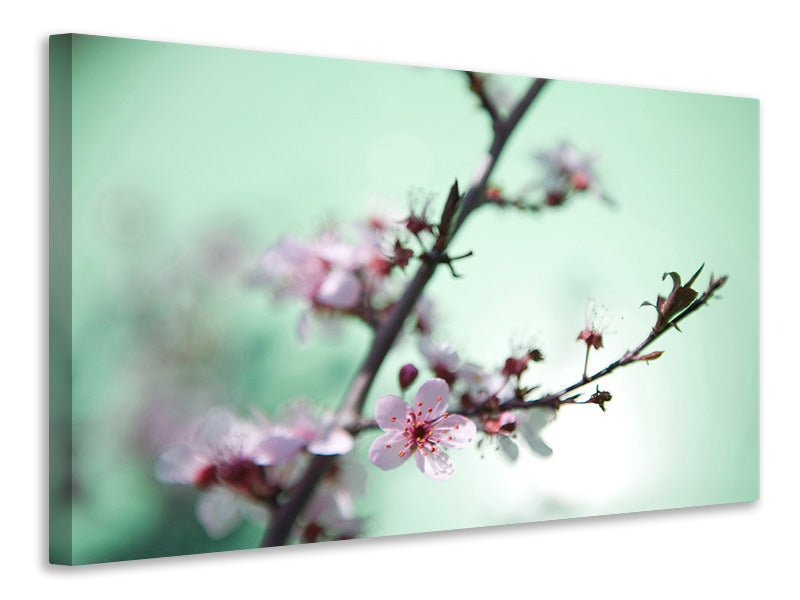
299 299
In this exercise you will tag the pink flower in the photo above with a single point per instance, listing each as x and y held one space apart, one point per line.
501 430
442 359
298 430
483 386
420 430
223 452
566 172
321 273
222 460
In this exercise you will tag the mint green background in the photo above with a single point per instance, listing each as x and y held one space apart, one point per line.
177 145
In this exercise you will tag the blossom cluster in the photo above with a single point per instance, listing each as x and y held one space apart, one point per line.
337 275
242 466
484 392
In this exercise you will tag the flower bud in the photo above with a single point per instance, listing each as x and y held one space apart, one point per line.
408 373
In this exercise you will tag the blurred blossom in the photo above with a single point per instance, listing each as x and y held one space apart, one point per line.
442 358
482 386
499 93
501 430
335 276
330 515
424 314
297 430
568 172
242 465
531 422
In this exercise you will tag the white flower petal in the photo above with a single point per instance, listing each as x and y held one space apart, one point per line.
336 441
278 449
455 431
431 400
178 464
508 447
435 465
217 512
340 289
385 451
391 413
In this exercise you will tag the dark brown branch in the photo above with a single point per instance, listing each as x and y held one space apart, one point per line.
386 334
629 357
477 84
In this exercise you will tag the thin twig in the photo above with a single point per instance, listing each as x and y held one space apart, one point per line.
629 357
477 83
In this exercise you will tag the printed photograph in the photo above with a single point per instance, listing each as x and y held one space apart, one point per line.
302 299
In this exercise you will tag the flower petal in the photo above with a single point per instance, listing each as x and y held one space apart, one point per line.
432 399
508 448
455 431
278 449
436 465
335 441
391 413
530 423
339 290
218 512
385 451
178 464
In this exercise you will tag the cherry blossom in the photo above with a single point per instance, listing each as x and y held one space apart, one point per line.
297 430
331 513
567 171
442 358
315 273
421 430
483 386
501 429
222 458
423 311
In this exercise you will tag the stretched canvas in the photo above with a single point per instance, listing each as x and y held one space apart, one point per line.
298 299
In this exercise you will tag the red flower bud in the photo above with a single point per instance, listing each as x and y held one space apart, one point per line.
493 194
408 373
554 198
580 180
515 366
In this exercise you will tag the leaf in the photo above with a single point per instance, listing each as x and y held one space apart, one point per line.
679 299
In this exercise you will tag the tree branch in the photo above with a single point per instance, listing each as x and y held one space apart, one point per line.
629 357
386 334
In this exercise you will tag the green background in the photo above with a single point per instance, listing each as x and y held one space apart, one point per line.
188 162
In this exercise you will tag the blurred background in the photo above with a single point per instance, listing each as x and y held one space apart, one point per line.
188 162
